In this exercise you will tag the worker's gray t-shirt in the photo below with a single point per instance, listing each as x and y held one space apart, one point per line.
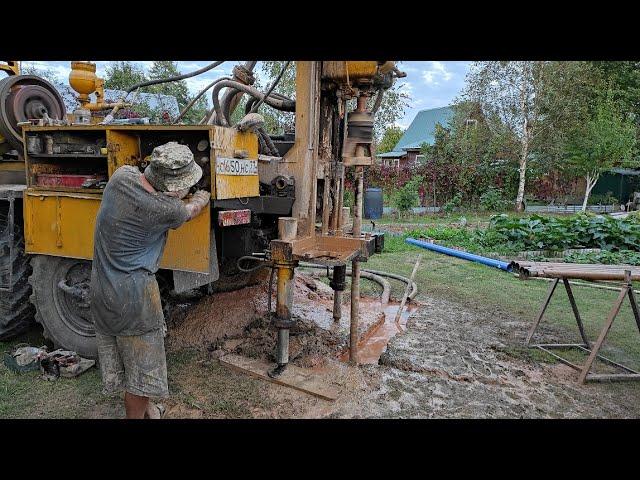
130 235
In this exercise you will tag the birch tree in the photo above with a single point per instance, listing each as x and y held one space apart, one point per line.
510 91
607 140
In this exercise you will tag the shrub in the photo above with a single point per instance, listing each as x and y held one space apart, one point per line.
453 204
407 196
492 200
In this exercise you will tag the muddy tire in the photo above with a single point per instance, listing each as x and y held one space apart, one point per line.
64 313
16 311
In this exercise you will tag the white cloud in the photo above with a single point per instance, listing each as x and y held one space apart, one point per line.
436 73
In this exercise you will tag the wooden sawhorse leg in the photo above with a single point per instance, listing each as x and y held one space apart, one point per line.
627 290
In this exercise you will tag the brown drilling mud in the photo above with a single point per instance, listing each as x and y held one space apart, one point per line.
237 322
374 343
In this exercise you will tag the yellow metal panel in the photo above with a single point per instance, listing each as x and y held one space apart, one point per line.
62 225
123 149
188 246
226 141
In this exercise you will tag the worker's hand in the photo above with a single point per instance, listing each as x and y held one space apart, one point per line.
197 202
201 196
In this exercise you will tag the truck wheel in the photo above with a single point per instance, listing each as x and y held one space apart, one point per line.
61 289
61 297
16 312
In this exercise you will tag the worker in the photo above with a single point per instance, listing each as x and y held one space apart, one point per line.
135 215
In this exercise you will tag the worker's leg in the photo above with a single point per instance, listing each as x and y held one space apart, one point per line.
135 405
145 366
111 366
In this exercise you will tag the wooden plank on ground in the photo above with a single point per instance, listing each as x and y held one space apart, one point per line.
294 377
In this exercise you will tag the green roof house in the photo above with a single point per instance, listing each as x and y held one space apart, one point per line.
422 130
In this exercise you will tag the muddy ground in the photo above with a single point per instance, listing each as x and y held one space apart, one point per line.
447 362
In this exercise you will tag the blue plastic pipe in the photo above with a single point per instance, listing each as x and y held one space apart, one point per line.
460 254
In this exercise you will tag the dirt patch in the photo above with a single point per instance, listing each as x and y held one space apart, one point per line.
457 363
211 319
237 322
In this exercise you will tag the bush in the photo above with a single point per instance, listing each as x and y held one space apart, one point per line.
492 200
407 196
453 204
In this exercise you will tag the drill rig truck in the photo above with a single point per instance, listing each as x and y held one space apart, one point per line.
277 196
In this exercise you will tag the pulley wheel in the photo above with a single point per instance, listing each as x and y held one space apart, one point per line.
24 98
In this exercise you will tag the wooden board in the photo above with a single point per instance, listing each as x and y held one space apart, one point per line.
294 377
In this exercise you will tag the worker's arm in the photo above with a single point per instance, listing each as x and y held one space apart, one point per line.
196 203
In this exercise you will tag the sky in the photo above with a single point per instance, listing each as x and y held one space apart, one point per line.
430 84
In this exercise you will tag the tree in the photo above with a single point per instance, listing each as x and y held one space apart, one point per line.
510 92
607 140
123 75
391 137
394 102
46 73
179 89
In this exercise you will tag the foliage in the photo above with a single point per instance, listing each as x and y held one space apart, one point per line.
179 90
394 102
390 138
560 233
453 204
406 197
276 121
607 257
606 140
493 200
123 75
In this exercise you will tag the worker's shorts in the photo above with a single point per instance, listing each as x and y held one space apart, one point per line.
137 364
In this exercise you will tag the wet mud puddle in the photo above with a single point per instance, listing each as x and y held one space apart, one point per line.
374 341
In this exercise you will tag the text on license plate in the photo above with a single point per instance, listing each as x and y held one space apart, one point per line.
236 166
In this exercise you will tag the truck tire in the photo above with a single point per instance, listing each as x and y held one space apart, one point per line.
65 317
16 311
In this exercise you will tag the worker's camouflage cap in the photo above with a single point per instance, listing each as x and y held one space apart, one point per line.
172 168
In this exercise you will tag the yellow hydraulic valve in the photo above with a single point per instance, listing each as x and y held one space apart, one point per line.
83 79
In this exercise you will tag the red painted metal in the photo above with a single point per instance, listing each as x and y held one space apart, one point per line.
228 218
65 180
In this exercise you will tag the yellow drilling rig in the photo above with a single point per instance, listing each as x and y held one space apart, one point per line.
274 198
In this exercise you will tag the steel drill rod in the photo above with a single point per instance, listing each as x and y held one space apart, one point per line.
355 269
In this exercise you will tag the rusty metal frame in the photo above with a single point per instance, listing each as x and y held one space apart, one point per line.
585 376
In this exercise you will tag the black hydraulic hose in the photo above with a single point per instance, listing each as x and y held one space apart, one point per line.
164 80
177 78
273 150
252 101
231 94
288 106
197 97
270 89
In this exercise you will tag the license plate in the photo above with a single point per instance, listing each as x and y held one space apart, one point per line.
228 218
236 166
